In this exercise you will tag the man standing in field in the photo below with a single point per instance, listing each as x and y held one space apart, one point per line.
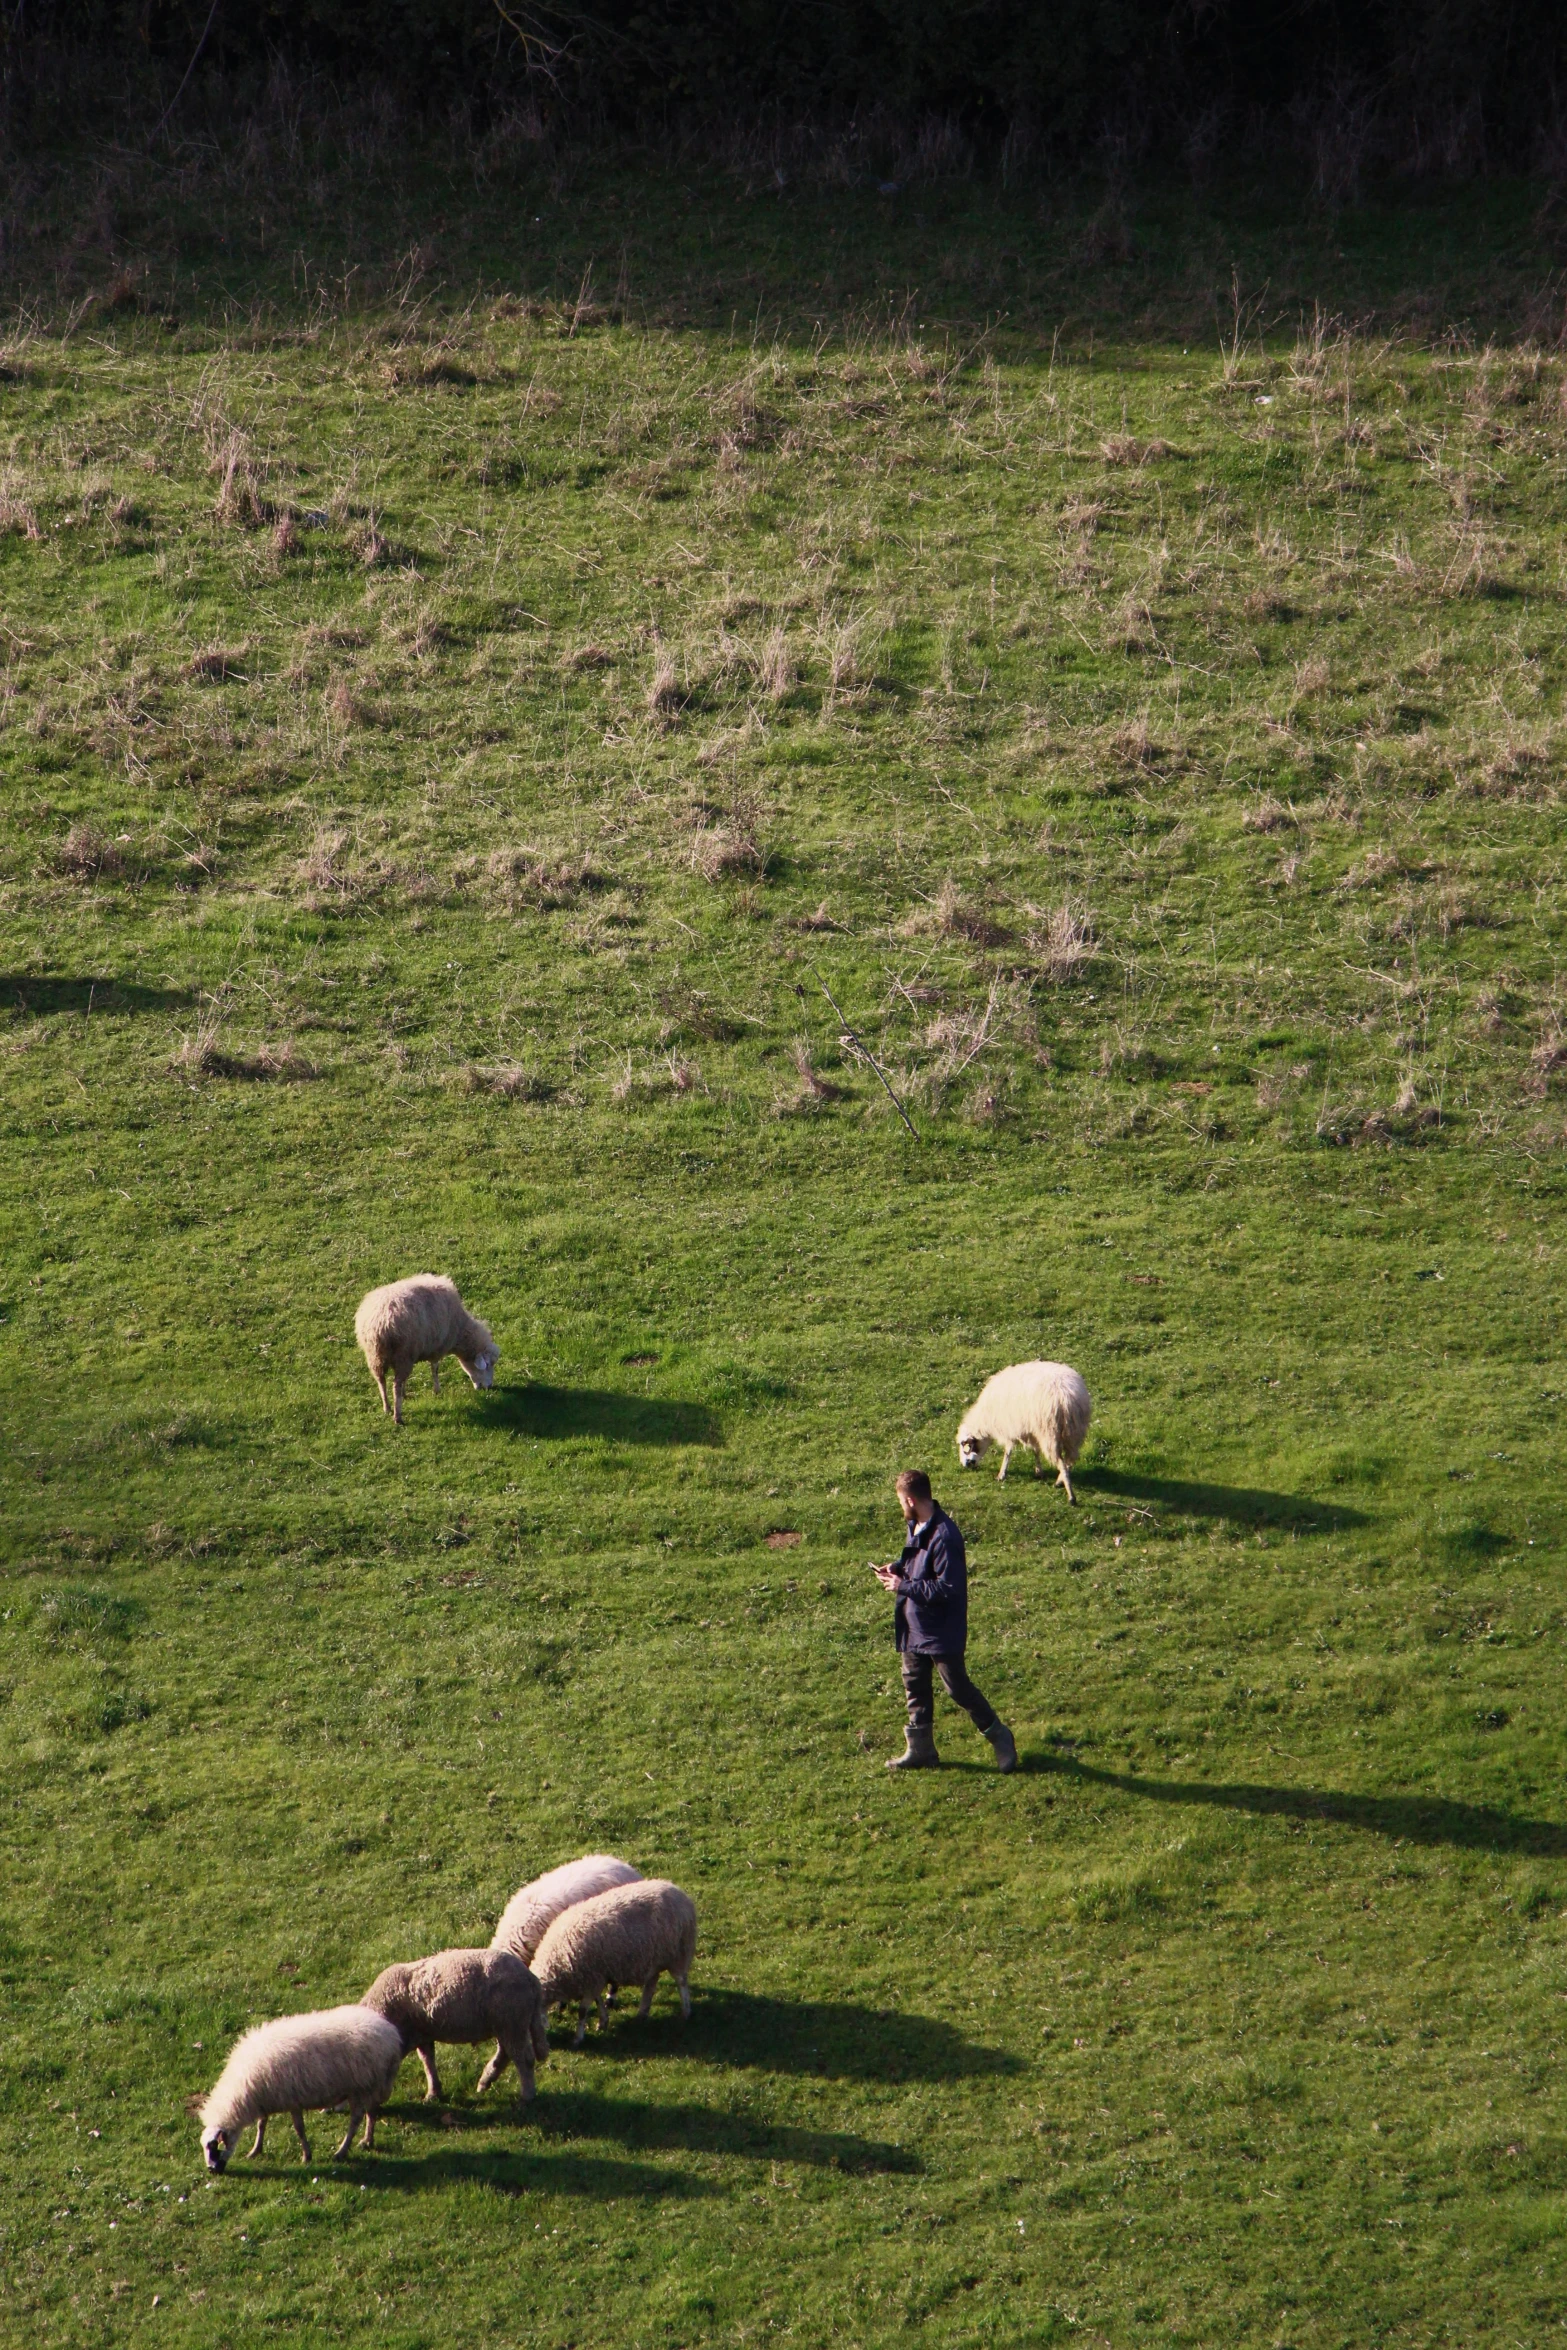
930 1625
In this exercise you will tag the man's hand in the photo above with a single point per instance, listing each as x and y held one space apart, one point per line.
887 1577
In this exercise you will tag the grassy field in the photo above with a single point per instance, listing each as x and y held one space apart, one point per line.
528 694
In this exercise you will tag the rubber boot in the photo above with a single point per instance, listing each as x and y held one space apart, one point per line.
1005 1745
919 1750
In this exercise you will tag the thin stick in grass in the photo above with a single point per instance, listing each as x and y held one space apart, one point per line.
863 1049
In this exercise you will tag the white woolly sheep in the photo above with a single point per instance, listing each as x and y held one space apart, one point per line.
539 1904
337 2056
421 1320
1043 1405
466 1995
632 1934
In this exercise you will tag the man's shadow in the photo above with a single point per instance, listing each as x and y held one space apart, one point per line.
1412 1819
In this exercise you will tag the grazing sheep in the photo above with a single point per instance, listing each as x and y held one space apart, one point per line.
1044 1405
419 1321
466 1995
632 1934
539 1904
338 2056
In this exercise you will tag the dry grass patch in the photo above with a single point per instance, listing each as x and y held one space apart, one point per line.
949 914
1062 941
214 664
527 877
728 852
86 854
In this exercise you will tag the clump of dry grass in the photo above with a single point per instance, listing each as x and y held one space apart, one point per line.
820 920
203 1053
86 854
950 915
328 878
590 657
776 671
812 1091
727 852
525 876
368 546
510 1081
674 1074
1124 448
213 664
18 516
1378 865
1063 942
240 503
1547 1060
665 701
1267 814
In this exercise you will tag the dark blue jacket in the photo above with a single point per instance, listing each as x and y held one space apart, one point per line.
932 1612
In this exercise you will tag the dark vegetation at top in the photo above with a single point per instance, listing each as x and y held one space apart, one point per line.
861 90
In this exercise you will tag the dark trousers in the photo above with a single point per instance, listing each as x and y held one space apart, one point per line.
921 1697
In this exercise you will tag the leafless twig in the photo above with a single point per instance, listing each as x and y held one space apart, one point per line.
858 1045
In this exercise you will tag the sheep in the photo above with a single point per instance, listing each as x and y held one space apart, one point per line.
1044 1405
537 1905
465 1995
419 1321
631 1934
337 2056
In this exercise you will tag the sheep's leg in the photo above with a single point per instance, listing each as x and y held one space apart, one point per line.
493 2070
1006 1455
603 2013
684 1988
380 1379
1063 1479
254 2148
371 2118
355 2117
585 2007
399 1382
435 1374
648 1990
298 2120
432 2079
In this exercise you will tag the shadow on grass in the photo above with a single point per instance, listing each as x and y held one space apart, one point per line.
1412 1819
640 2125
50 991
512 2171
1242 1505
837 2040
558 1412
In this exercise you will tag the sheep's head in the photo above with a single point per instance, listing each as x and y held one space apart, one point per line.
215 2146
480 1367
972 1450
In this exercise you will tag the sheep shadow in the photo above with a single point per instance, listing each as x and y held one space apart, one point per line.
553 1414
644 2126
1410 1819
41 992
1241 1505
516 2171
833 2039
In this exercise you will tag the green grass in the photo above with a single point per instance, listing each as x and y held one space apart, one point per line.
453 738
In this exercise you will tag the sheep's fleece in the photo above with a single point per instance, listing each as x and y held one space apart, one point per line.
537 1906
421 1320
1043 1405
336 2056
632 1934
465 1995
